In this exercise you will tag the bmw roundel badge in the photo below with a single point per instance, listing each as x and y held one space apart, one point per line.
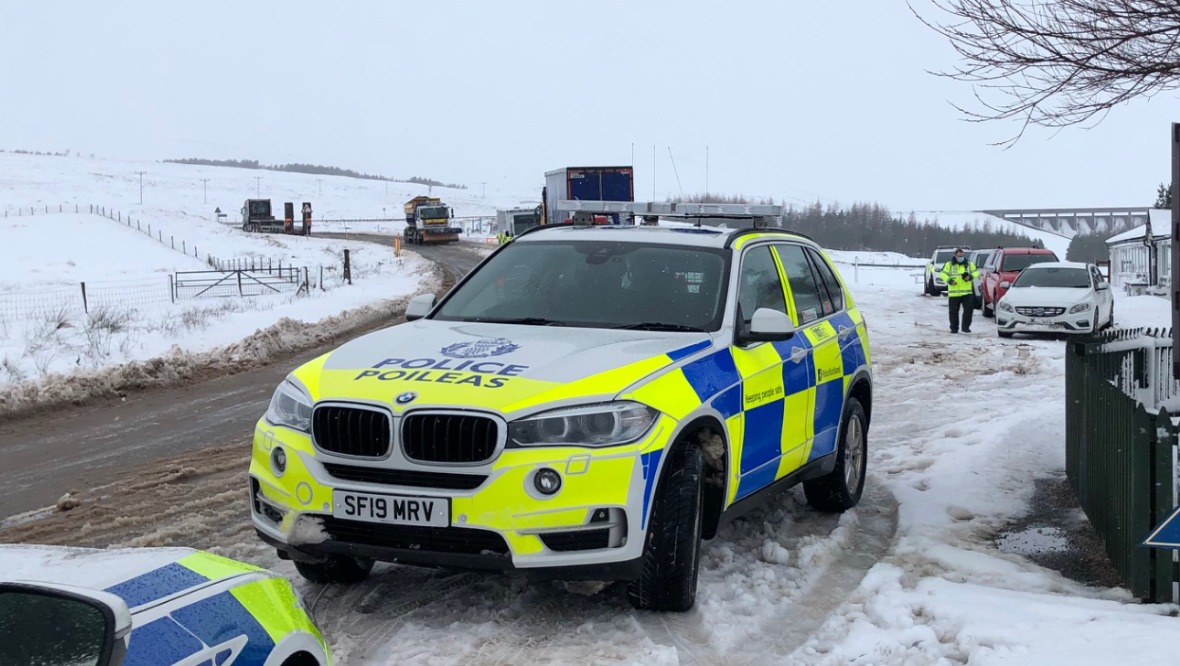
406 398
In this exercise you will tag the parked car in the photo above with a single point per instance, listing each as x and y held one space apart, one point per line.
1002 268
979 258
587 403
934 285
1056 297
158 606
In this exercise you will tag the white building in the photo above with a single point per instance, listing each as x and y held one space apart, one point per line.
1140 266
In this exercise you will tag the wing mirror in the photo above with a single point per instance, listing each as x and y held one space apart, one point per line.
769 326
1103 285
59 624
1005 284
419 306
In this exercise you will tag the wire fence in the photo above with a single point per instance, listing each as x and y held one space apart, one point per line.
236 277
80 300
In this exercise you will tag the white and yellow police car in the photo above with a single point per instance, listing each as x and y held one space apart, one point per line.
588 403
149 607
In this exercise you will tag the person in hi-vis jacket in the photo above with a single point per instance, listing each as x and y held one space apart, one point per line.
960 276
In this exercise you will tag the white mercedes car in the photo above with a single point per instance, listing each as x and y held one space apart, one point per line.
1056 297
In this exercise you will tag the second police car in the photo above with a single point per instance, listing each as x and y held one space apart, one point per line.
588 403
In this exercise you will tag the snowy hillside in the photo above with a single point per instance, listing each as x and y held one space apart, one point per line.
85 292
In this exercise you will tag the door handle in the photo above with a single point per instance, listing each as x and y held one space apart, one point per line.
844 331
798 354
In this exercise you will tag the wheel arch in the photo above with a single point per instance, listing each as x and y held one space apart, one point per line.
707 431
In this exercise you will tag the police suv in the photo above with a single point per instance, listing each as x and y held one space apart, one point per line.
590 402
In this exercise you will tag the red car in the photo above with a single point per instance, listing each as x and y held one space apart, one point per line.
1001 269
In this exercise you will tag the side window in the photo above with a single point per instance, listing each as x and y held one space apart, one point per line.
760 285
828 282
804 289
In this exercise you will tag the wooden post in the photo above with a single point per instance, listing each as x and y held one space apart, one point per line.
184 247
173 239
172 287
347 268
85 307
321 277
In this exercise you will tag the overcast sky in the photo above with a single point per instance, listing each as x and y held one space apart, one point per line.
795 100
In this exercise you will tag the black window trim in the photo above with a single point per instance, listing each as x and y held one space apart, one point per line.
814 257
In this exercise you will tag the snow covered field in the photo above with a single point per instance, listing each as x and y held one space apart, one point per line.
48 333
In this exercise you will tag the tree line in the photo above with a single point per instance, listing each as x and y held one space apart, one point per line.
314 169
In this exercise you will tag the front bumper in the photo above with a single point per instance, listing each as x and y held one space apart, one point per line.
1013 322
592 528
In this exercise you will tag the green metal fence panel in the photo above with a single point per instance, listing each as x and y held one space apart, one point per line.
1119 456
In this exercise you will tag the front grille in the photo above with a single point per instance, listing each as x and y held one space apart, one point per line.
1040 311
351 431
404 477
579 540
449 438
461 540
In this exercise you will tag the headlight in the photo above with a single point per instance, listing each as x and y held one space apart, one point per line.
290 407
1005 307
1080 307
605 424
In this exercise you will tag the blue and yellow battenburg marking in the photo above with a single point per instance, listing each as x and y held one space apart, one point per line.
245 622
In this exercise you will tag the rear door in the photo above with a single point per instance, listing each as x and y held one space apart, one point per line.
816 315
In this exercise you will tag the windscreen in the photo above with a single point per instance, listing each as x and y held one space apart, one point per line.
596 284
1071 278
1019 262
943 256
433 212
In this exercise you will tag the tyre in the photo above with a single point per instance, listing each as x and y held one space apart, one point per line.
1094 326
841 490
335 569
1110 320
988 312
672 551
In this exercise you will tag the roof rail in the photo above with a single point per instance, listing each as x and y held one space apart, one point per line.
762 230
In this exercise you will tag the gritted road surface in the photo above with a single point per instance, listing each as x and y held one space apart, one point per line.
116 441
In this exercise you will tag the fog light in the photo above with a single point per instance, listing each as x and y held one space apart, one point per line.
278 460
547 481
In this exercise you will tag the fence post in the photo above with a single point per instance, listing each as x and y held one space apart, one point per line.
59 208
347 268
172 287
85 307
137 226
160 236
183 247
120 216
172 239
321 277
239 283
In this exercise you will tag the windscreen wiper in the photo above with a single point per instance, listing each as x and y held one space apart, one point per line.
659 326
526 321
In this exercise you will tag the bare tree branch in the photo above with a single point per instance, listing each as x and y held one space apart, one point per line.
1059 63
